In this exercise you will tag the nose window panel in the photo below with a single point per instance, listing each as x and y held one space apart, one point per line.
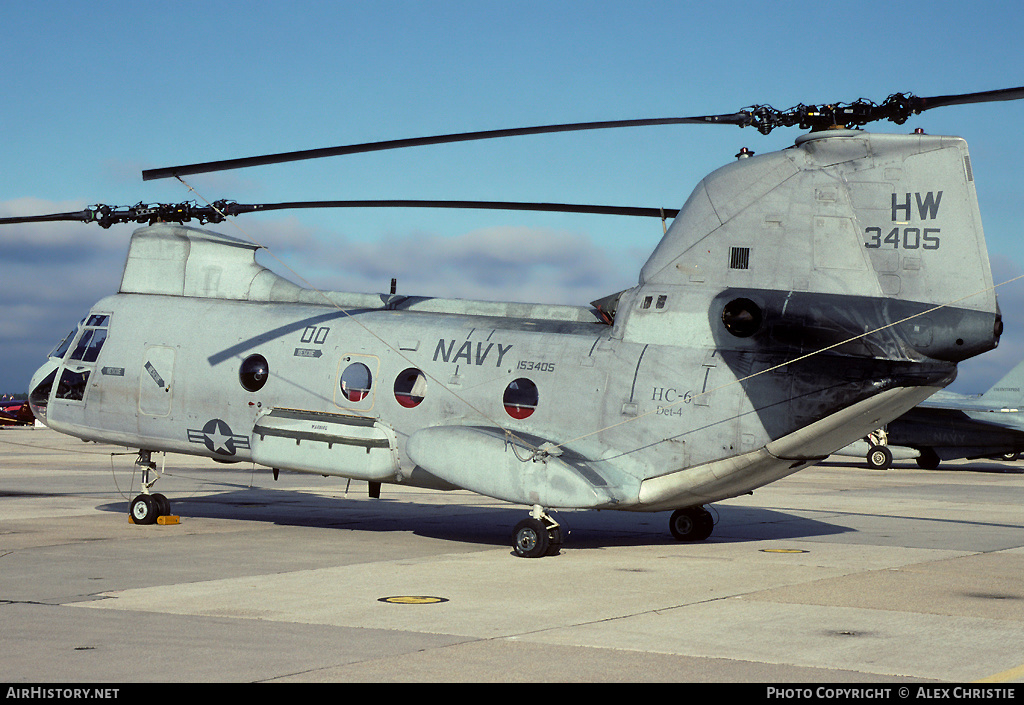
72 385
41 395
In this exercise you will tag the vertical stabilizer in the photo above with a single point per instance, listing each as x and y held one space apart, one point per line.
1007 392
845 231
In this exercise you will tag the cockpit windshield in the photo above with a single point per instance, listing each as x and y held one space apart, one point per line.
88 348
93 330
62 349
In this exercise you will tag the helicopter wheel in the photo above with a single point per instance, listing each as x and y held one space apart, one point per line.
534 538
147 508
144 509
163 505
691 524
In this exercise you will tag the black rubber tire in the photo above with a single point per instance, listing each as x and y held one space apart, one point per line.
928 460
691 524
879 458
143 510
530 539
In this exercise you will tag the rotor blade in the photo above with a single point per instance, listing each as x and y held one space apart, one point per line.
84 216
105 216
238 208
741 118
964 98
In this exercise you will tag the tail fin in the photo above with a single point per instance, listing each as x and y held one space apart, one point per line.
1007 392
844 231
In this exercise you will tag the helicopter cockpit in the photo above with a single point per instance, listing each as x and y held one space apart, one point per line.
84 343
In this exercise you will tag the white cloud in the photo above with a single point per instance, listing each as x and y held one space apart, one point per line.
510 263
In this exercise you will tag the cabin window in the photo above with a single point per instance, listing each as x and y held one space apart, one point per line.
356 382
658 302
521 398
253 373
410 387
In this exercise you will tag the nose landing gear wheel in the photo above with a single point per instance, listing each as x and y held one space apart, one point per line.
147 508
530 539
143 510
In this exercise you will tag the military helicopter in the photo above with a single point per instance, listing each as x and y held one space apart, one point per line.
799 300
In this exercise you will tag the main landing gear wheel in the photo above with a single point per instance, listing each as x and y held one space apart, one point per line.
537 536
879 458
691 524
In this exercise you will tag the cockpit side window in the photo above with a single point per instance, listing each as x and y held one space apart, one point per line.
88 348
92 339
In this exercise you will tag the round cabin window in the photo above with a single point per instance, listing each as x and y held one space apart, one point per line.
410 388
356 382
253 373
520 398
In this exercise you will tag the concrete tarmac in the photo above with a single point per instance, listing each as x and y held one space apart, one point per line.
838 574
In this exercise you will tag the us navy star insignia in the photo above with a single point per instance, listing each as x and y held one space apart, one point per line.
216 435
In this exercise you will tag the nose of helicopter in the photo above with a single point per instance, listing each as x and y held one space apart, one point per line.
41 384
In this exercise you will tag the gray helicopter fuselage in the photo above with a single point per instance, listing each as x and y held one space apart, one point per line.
642 410
793 306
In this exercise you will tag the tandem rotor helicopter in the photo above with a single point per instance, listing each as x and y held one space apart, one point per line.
799 300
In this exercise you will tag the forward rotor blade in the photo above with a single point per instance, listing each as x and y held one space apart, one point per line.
740 119
105 216
84 216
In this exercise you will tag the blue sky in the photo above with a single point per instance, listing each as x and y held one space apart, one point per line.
94 92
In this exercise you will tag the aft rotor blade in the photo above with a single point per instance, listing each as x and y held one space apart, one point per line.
238 208
964 98
740 119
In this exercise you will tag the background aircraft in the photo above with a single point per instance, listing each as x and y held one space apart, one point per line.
948 426
16 412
